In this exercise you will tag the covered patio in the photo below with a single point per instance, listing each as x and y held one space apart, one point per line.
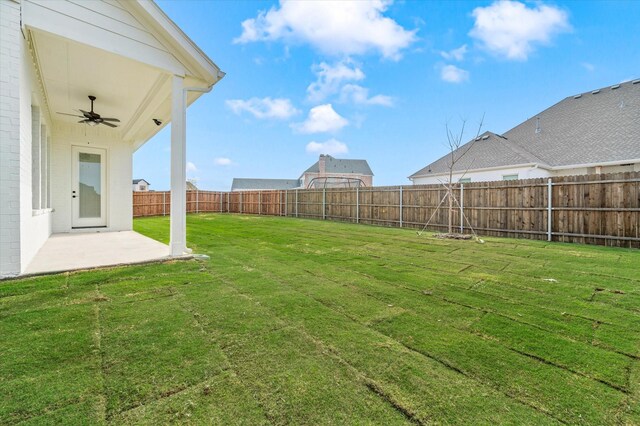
69 252
140 72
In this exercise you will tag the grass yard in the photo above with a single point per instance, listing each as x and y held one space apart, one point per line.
309 322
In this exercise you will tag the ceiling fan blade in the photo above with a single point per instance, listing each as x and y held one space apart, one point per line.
108 124
110 119
72 115
84 121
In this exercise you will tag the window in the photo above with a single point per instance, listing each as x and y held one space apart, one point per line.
143 187
465 180
40 162
510 177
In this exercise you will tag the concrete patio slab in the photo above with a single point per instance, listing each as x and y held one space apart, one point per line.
67 252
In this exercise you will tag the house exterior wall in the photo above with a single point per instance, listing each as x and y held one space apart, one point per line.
24 227
35 219
10 135
528 172
141 187
119 171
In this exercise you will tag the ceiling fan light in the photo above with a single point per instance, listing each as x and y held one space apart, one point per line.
92 123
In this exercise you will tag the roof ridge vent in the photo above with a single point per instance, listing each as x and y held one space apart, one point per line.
615 86
595 92
577 96
478 138
635 81
485 137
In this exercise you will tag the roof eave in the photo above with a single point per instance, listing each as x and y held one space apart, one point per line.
208 71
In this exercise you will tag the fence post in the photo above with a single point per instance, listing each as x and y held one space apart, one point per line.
286 201
324 202
164 203
400 206
549 208
296 203
228 202
197 200
357 204
260 203
240 208
461 208
279 203
220 202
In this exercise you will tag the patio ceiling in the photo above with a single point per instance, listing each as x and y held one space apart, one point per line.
125 89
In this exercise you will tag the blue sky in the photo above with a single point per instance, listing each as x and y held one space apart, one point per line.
379 80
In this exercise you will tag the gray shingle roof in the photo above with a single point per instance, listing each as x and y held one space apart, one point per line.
336 165
135 181
244 184
598 126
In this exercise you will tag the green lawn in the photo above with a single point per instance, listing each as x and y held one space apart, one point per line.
310 322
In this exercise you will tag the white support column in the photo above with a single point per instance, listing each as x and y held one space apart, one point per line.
178 168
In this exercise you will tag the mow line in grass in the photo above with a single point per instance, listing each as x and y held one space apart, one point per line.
563 366
410 350
465 373
511 301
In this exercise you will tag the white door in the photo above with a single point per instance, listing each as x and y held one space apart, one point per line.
88 187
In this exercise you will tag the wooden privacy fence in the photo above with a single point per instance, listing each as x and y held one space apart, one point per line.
591 209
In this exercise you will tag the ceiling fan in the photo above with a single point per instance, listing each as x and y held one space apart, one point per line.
93 118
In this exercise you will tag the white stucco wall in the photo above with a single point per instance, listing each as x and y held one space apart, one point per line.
119 172
523 173
486 175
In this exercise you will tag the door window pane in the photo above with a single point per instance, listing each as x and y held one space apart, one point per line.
90 185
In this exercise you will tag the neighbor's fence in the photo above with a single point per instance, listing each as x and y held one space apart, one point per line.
592 209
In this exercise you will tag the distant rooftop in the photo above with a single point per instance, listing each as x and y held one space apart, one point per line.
245 184
336 165
598 126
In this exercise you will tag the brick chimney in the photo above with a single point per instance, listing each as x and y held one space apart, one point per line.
321 164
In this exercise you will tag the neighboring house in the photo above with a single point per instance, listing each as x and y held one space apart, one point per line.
590 133
327 172
58 175
332 172
191 186
140 185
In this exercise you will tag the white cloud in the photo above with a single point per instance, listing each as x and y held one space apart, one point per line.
336 28
330 77
453 74
265 108
589 67
330 147
455 54
322 118
511 29
222 161
191 167
360 95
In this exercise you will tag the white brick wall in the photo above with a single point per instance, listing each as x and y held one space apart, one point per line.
10 165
